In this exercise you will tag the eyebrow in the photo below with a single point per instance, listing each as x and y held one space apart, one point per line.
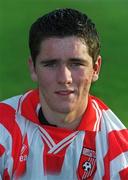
69 60
78 60
49 61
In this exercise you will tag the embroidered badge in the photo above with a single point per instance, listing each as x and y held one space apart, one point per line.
87 164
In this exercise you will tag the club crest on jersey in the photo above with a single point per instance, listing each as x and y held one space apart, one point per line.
87 164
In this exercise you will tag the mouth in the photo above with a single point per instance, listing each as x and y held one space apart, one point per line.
64 92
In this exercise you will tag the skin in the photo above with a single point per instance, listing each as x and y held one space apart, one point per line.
64 72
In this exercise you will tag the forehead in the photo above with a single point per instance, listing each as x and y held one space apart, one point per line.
63 48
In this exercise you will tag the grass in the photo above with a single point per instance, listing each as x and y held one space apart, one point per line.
110 17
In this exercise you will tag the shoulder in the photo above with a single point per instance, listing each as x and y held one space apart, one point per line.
108 117
9 105
99 103
13 102
8 108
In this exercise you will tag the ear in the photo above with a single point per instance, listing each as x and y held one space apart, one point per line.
96 68
32 70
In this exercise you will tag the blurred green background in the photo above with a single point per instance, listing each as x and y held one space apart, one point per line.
111 18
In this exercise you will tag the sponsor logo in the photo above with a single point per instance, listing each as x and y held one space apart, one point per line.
23 158
24 152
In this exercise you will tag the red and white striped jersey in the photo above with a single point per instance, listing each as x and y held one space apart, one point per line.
96 150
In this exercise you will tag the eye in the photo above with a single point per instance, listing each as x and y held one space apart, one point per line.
50 64
76 64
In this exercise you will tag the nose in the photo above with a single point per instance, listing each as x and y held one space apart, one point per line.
64 75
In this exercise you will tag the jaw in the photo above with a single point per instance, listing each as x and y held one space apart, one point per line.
64 110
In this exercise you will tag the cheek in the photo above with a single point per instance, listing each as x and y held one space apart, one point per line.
45 80
84 81
45 75
84 76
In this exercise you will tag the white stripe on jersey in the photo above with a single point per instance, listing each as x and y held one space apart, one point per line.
119 165
47 141
111 121
8 160
98 115
38 108
47 138
22 99
15 101
102 148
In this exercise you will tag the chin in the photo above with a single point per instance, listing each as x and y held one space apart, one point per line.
63 109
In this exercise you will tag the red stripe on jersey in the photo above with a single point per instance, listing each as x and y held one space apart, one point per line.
124 174
89 119
117 141
2 150
7 119
53 162
21 168
30 101
89 141
6 175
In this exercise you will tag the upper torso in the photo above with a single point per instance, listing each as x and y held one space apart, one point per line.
31 150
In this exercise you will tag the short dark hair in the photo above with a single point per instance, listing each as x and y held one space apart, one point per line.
63 23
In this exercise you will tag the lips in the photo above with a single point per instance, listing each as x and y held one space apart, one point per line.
64 92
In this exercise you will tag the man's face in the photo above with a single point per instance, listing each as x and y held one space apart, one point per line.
64 72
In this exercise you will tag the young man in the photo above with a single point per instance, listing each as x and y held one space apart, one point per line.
59 131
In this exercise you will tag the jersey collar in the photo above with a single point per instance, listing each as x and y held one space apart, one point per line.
29 106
